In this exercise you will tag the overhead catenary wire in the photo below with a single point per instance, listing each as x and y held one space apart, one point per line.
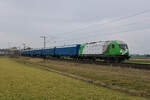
118 32
104 29
91 35
108 22
112 21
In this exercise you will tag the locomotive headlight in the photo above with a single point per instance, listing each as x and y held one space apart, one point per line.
121 52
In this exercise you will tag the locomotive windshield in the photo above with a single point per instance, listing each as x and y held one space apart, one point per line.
123 46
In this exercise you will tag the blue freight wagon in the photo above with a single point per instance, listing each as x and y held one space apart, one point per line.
36 52
48 51
25 52
69 50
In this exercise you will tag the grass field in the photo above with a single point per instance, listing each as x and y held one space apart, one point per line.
139 60
132 81
25 82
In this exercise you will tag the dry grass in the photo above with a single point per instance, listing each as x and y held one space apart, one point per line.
130 80
141 60
25 82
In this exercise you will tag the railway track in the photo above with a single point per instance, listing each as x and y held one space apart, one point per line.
125 65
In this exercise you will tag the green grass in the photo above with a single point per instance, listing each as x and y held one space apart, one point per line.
23 82
133 81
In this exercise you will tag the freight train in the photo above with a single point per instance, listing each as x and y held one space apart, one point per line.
109 51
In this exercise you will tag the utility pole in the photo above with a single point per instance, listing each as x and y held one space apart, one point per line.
44 37
19 50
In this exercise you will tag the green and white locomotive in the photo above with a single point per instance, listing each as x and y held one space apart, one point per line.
113 51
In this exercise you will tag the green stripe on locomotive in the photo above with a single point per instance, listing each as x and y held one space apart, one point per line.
114 49
81 48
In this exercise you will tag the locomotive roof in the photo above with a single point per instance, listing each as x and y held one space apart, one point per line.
119 41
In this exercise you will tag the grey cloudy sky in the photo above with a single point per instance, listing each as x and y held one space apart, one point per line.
74 21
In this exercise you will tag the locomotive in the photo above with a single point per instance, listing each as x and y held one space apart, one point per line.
109 51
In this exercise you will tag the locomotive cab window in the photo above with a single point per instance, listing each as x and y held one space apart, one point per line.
113 46
123 46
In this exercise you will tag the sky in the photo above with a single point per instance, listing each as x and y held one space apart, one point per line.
66 22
